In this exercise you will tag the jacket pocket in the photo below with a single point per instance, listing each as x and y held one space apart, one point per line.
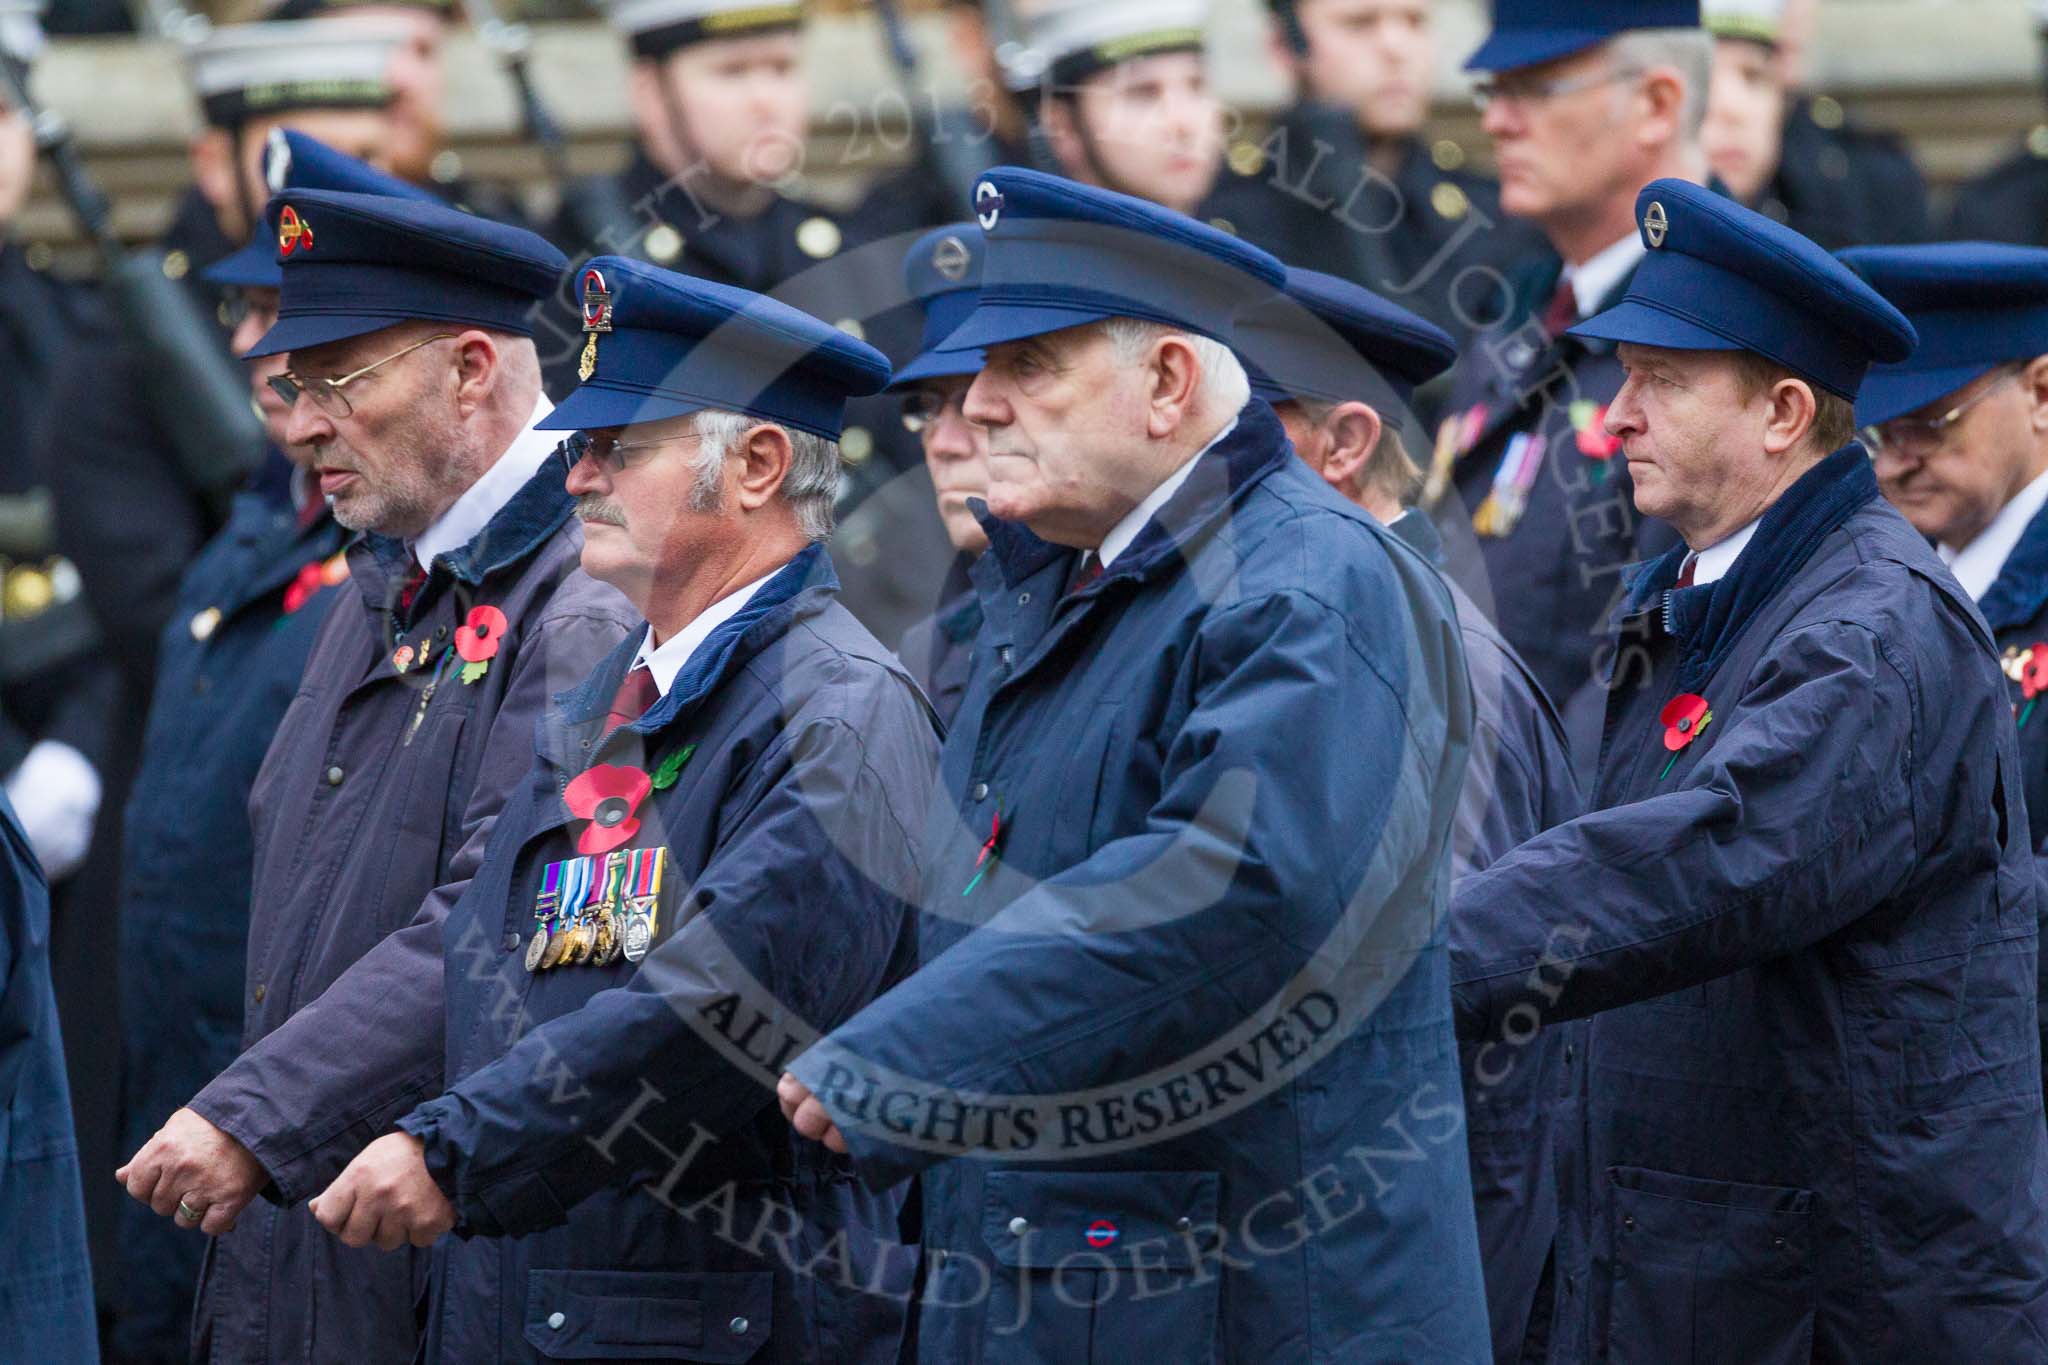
1709 1270
1098 1266
718 1318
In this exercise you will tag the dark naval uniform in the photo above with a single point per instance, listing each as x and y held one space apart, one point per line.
2016 608
46 1303
2008 202
1532 498
230 662
1430 236
939 649
776 782
1843 185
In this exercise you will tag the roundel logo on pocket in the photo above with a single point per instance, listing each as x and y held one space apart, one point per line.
1102 1233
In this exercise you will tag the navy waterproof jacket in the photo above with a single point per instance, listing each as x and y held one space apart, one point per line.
1806 930
1182 1015
626 1185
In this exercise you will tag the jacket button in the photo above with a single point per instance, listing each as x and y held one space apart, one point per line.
739 1327
1019 1225
980 792
334 776
1183 1223
1023 599
555 1320
511 943
1628 1221
259 994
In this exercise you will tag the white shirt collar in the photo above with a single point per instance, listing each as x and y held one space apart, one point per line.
1978 564
1593 280
1715 561
666 660
1124 532
485 498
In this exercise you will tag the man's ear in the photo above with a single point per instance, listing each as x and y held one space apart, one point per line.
1663 96
1174 377
764 464
1353 430
478 370
2034 383
1792 410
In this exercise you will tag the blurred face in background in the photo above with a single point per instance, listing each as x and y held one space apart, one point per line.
1950 476
955 454
1376 57
258 309
1148 126
17 162
1745 125
737 106
419 87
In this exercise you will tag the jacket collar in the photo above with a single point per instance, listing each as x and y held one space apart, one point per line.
801 588
1708 620
2020 591
534 513
1419 533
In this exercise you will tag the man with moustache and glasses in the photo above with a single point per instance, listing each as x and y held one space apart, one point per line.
709 862
413 379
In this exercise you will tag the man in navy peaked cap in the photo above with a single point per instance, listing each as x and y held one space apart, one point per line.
413 380
1957 434
227 665
709 863
1351 360
1801 911
1181 964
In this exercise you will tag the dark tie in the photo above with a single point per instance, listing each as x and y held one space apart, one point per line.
1563 311
636 694
1089 570
411 589
1685 575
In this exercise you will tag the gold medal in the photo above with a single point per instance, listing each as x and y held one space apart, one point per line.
604 950
581 939
557 948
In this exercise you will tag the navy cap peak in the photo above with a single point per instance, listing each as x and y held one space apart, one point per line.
1720 277
1977 306
1531 32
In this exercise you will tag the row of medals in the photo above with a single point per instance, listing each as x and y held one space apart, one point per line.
599 936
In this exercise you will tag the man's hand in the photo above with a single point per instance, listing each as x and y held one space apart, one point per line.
194 1172
806 1115
386 1196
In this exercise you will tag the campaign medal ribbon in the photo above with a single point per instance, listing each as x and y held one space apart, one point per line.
1505 502
643 901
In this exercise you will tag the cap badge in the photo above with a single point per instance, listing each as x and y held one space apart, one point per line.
293 232
950 258
1656 224
988 205
597 317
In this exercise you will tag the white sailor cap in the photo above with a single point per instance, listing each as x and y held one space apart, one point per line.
245 71
1070 40
658 27
1760 21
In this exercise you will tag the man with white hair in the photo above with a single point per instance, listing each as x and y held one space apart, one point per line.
1181 1014
709 862
1586 101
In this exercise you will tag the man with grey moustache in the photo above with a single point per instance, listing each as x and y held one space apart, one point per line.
413 377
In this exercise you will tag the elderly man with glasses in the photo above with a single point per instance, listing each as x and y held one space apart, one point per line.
1585 102
1959 434
413 378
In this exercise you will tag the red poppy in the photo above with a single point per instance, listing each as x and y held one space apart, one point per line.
1595 441
1685 715
300 590
2034 673
476 639
608 796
